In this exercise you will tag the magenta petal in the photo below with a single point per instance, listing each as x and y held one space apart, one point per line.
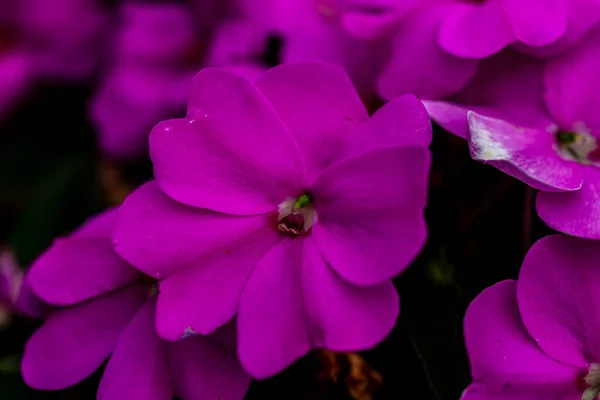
527 154
160 236
203 370
98 226
451 117
504 358
331 303
402 121
476 31
536 22
575 213
370 210
138 368
318 104
232 154
272 332
76 269
75 341
559 300
570 80
418 65
206 296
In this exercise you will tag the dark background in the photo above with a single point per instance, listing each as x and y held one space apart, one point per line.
481 222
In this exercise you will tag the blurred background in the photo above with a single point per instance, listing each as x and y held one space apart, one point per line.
82 82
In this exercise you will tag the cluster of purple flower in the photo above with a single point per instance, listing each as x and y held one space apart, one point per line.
281 209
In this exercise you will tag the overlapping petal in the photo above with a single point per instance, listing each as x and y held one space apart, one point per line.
418 64
344 317
216 159
558 299
138 368
476 30
204 370
76 269
575 213
319 119
206 296
570 80
530 155
505 361
272 328
160 236
370 213
74 342
403 121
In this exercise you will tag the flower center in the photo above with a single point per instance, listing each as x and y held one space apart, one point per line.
577 146
296 216
592 379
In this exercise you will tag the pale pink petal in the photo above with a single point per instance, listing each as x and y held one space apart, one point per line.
530 155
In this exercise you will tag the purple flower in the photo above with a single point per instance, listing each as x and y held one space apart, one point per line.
105 308
59 40
157 50
282 202
537 120
537 338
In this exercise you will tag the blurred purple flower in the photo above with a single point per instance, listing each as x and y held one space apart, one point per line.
537 120
157 48
316 30
282 202
537 338
240 46
437 44
105 308
58 40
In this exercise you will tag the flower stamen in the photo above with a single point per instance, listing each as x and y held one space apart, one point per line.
580 147
296 216
592 379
